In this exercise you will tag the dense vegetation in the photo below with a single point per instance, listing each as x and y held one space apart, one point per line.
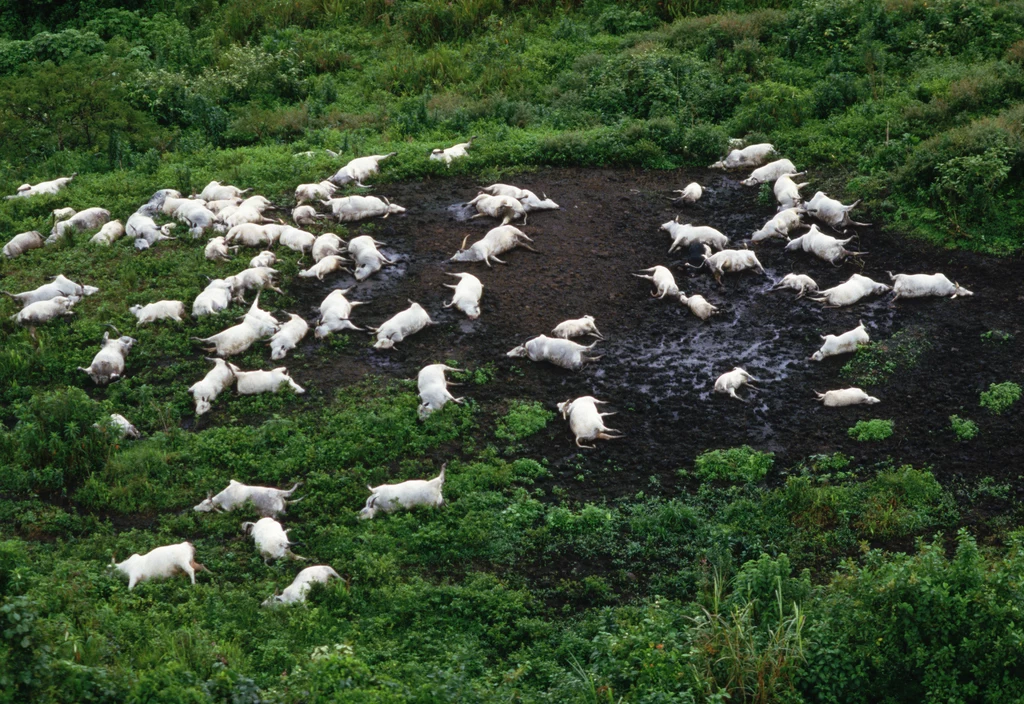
827 581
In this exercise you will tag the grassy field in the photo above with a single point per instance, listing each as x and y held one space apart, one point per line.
830 580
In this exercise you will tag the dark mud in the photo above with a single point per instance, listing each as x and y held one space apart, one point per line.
660 362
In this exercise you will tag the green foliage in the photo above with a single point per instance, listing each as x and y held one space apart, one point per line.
524 418
875 362
737 464
1000 397
874 430
964 428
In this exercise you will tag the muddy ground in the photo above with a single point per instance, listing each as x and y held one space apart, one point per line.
659 362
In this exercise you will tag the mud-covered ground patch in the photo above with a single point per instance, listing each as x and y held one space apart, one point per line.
659 362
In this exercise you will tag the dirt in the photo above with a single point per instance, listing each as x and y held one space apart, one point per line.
660 362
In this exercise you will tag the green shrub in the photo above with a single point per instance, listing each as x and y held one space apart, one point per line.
524 418
873 430
737 464
1000 397
875 362
963 428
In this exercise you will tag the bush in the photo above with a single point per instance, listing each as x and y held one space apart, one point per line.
524 418
963 428
737 464
873 430
1000 397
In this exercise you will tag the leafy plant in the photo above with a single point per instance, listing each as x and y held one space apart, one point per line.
737 464
874 430
964 428
875 362
523 419
1000 397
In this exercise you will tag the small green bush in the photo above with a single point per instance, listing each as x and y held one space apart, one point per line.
524 418
1000 397
736 464
964 428
873 430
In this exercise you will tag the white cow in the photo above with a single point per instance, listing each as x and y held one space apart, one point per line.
822 246
664 282
253 235
359 170
161 310
264 258
266 500
562 353
296 591
143 229
271 539
217 250
327 244
414 492
60 286
160 563
769 172
802 283
263 382
367 257
528 198
577 328
586 422
88 219
454 152
306 215
124 426
306 192
334 314
832 212
401 325
205 391
252 280
109 363
213 299
921 285
850 291
42 188
684 234
467 295
732 381
731 260
22 243
698 305
215 191
504 207
787 191
216 206
497 241
754 155
784 222
327 265
842 344
44 311
109 233
690 194
356 208
255 325
433 389
288 337
845 397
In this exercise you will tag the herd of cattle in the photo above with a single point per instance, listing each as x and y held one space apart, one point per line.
239 221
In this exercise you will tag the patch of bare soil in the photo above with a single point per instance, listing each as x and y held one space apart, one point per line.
659 362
